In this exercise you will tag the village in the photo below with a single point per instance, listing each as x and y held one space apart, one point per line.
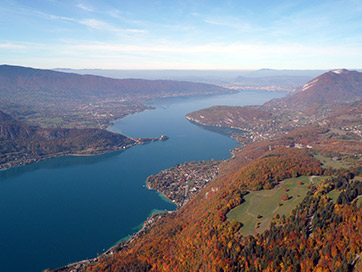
180 183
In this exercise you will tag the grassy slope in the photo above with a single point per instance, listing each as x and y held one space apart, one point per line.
266 204
328 162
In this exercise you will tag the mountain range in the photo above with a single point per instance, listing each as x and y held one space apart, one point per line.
57 99
15 79
264 79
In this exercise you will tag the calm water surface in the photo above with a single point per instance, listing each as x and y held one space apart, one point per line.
66 209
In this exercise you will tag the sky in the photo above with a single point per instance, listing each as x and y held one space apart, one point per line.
172 34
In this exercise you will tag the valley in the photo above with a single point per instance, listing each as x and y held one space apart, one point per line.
57 99
295 176
104 196
278 192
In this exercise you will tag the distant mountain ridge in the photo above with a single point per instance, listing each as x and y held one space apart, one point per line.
280 83
262 79
57 99
267 72
192 75
16 78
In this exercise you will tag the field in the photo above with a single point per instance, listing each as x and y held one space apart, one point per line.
329 162
261 206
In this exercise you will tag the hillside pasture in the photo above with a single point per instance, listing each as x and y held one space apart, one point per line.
259 207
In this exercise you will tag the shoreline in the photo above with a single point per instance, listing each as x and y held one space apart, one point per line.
162 196
198 122
27 161
57 155
147 225
127 240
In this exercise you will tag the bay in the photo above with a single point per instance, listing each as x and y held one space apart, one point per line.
66 209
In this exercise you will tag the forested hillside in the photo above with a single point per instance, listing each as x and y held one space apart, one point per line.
21 143
320 233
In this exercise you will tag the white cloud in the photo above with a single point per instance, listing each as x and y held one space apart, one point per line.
56 17
8 45
100 25
236 49
178 55
84 7
232 23
94 24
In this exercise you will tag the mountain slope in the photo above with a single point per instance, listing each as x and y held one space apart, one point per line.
319 98
338 86
11 129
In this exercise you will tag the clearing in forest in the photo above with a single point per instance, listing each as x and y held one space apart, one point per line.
259 207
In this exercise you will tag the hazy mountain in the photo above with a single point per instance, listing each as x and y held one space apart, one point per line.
276 79
188 75
48 83
280 82
57 99
266 72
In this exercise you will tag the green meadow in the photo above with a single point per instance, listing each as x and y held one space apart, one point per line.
259 207
329 162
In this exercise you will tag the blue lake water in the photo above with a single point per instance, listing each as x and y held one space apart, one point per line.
65 209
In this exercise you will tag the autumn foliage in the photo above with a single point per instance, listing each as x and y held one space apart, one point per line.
198 238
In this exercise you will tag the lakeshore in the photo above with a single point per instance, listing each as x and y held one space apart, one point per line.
28 160
87 203
80 265
183 181
186 181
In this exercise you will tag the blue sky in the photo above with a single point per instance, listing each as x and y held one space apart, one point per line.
309 34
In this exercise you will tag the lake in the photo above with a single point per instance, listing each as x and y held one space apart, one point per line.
66 209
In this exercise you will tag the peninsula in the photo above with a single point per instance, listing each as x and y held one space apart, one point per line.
23 144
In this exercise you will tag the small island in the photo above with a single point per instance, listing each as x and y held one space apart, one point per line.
163 138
